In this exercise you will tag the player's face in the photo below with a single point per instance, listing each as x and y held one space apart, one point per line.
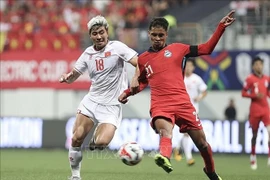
99 36
258 67
158 37
189 68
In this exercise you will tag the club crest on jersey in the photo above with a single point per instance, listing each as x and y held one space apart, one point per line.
167 53
107 54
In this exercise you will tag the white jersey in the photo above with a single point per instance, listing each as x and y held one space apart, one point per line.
195 86
106 70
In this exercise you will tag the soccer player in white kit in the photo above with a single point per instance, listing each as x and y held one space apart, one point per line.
105 62
197 90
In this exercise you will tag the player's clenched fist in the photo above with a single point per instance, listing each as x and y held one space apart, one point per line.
66 77
123 98
69 77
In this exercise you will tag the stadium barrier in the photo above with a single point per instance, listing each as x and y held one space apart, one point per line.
223 135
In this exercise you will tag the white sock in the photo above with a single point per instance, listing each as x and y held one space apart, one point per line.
75 158
187 147
179 145
253 158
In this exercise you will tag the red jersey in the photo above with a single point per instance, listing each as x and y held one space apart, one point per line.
164 70
254 85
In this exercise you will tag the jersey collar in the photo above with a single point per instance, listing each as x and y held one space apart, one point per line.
152 50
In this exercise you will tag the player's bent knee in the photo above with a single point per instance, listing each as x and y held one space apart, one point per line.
76 142
202 145
165 133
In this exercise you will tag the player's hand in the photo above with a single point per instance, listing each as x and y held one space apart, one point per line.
134 85
197 99
66 77
259 96
228 19
123 98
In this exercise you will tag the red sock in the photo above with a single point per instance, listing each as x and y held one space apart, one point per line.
165 146
208 159
253 150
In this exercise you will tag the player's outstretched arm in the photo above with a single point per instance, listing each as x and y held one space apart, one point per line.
135 85
69 77
139 78
208 47
123 98
228 19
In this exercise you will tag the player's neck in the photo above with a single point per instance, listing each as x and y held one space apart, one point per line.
258 74
188 75
157 49
100 48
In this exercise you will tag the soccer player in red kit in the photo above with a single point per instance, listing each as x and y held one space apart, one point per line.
162 68
257 88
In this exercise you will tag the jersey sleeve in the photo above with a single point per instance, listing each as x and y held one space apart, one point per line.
207 47
246 90
125 52
143 82
81 65
201 85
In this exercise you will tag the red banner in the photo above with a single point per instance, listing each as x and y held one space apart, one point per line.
39 70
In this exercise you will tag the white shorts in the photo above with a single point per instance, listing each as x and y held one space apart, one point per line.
111 114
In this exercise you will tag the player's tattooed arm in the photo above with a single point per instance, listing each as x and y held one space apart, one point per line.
69 77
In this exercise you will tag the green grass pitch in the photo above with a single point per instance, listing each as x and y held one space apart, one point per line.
54 165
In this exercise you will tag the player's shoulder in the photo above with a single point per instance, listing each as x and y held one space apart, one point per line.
266 77
89 50
195 76
178 45
250 77
116 43
144 56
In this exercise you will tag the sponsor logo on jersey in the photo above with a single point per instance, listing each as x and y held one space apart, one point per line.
167 53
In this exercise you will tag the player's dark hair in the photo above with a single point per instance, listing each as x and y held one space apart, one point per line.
255 59
159 22
192 60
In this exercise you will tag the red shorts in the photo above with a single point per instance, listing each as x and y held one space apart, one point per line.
184 116
254 120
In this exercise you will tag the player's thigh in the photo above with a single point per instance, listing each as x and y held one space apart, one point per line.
163 126
162 121
85 117
254 122
82 126
104 133
266 118
109 118
187 119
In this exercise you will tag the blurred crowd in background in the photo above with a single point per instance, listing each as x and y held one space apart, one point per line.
36 19
61 24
